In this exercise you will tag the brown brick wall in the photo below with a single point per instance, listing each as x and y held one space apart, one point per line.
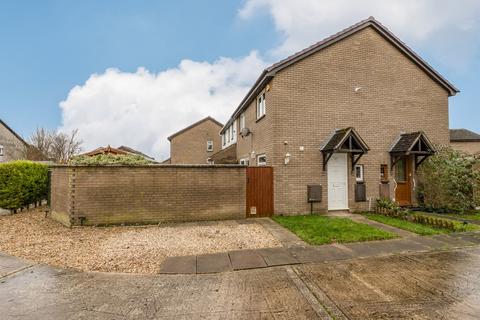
468 147
163 193
311 98
190 147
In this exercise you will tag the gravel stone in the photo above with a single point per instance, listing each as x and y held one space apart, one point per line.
31 236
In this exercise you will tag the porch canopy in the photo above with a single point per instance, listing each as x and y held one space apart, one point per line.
414 143
347 141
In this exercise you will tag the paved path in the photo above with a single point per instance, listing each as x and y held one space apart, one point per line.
264 258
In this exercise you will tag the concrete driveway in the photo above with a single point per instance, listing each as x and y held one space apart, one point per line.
438 285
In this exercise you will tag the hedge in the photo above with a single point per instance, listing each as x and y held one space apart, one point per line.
22 183
110 159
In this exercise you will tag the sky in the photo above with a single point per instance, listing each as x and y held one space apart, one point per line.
132 72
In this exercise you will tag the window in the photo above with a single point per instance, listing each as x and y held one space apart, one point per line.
383 173
242 121
244 161
261 160
401 172
234 130
209 145
359 172
223 139
228 135
1 150
261 105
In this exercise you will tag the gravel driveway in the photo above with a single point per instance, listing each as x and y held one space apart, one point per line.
31 236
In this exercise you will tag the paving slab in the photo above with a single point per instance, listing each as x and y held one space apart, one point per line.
9 264
452 241
373 248
431 243
213 263
246 259
320 254
174 265
473 238
277 256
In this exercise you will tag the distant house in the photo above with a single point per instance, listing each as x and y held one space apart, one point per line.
465 140
196 143
12 146
122 150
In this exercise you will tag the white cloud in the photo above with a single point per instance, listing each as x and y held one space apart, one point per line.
141 109
446 29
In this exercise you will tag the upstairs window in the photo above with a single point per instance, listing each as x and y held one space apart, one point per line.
234 130
261 105
223 139
242 121
1 150
209 145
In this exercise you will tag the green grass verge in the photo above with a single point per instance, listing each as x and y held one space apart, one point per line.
318 230
424 230
406 225
474 216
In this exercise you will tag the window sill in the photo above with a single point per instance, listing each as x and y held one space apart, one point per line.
258 119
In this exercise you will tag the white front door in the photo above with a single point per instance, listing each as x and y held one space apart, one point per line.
337 182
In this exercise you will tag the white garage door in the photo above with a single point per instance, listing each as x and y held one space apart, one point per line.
337 182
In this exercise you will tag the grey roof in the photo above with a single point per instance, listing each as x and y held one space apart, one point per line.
407 141
271 71
338 138
464 135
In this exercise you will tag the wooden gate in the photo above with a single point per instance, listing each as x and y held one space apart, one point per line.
259 192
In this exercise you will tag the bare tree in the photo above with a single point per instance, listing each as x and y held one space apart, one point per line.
64 146
51 145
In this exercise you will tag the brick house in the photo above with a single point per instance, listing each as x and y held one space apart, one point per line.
196 143
12 146
355 114
465 140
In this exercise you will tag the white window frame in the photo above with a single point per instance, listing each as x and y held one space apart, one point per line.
261 105
1 150
223 139
261 163
242 120
359 178
234 130
244 161
209 145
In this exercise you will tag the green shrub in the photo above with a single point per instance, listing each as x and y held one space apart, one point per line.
449 180
22 183
386 203
110 159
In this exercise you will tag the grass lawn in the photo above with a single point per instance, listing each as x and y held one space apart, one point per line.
421 229
322 230
473 216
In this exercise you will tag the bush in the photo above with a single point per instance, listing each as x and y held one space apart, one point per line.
22 183
449 180
110 159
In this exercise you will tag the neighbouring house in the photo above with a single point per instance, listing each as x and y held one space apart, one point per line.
349 119
12 145
196 143
465 140
122 150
